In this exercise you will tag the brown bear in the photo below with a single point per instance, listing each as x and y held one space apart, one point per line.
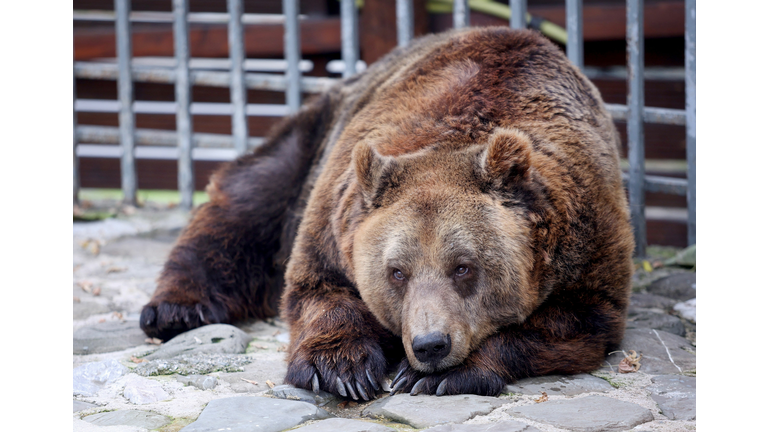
457 209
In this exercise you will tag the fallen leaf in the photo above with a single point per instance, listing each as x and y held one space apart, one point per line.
647 266
76 299
658 264
270 384
91 246
116 314
103 320
116 269
259 346
251 382
153 341
277 332
630 363
282 348
85 286
96 291
139 360
342 404
543 398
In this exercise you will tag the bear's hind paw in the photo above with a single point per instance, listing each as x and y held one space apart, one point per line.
165 320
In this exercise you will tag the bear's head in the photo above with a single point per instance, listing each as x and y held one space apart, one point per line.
443 256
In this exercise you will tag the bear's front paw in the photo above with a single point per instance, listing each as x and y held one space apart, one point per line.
355 369
460 380
164 320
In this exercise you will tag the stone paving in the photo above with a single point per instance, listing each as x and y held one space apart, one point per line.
224 377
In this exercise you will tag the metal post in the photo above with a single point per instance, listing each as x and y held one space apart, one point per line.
635 126
690 113
125 94
183 101
349 39
574 26
238 94
292 54
404 22
519 9
75 160
460 14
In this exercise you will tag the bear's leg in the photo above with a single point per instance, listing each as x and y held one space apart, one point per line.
337 345
223 268
552 341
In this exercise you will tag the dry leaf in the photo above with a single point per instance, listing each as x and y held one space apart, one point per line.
658 264
116 269
282 348
251 382
116 314
543 398
630 363
139 360
91 246
153 341
259 346
96 291
103 320
85 286
76 299
647 266
270 384
342 404
277 332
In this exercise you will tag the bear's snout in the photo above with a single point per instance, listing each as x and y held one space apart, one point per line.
431 347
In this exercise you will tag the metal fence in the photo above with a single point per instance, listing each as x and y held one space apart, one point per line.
634 112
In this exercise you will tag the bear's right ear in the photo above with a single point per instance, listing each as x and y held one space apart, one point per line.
371 170
507 159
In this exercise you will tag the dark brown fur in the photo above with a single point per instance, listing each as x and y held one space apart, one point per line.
481 148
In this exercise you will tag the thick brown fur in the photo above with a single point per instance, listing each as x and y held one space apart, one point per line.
468 185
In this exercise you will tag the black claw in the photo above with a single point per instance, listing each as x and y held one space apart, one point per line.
340 387
441 388
351 391
417 388
372 381
315 384
361 390
397 386
399 373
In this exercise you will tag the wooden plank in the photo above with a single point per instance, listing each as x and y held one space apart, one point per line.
318 36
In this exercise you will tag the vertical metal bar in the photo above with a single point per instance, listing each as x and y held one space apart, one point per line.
238 94
125 94
75 160
635 126
292 54
519 9
460 13
690 113
183 101
574 26
404 22
349 40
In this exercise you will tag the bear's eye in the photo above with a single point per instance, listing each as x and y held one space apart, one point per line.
398 275
461 271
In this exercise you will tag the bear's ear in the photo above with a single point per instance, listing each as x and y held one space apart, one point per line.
507 159
371 169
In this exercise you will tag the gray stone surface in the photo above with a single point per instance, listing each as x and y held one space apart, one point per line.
559 385
676 396
587 414
143 419
203 382
288 391
680 286
246 414
663 353
269 366
194 364
651 301
210 339
654 319
344 425
139 390
80 405
502 426
107 337
424 411
89 378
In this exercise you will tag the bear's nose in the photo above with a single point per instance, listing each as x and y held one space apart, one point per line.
431 347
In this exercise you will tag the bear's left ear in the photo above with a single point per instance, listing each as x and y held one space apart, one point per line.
371 170
507 159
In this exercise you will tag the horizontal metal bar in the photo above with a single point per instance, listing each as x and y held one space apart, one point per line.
197 108
338 66
203 78
167 17
155 137
620 73
650 115
253 65
667 185
102 151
